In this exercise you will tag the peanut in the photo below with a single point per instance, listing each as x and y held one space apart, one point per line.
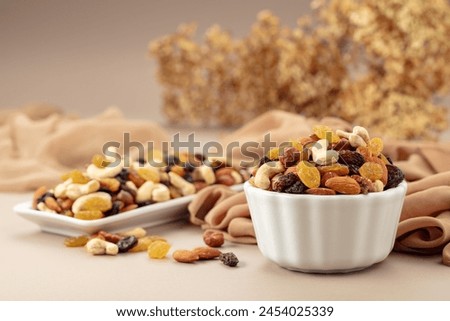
213 238
185 256
206 253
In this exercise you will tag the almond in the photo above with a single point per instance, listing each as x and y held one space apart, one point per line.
206 252
320 191
343 185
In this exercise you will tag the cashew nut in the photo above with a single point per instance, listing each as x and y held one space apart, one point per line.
95 201
341 133
95 172
361 132
358 137
356 141
98 246
144 193
160 193
60 189
206 174
321 155
266 172
183 185
74 191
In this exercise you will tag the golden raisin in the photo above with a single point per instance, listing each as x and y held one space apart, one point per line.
77 241
309 174
89 215
99 161
325 132
375 146
364 151
371 170
274 154
384 177
77 177
144 242
296 144
158 249
149 174
96 203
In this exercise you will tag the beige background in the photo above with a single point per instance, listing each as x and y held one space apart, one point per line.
86 55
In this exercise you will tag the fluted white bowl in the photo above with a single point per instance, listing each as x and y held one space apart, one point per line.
325 233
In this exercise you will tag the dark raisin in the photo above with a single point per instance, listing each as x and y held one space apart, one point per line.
188 166
353 169
128 189
200 157
127 243
142 161
140 204
389 159
229 259
285 181
348 157
297 188
264 160
395 176
342 144
171 160
115 209
43 197
289 157
122 177
188 177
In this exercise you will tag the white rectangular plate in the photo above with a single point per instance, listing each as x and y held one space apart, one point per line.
145 216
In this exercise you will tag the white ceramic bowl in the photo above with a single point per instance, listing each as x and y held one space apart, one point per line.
325 234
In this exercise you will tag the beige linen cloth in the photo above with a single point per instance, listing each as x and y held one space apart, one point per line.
39 143
425 220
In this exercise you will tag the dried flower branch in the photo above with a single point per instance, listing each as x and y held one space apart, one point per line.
378 63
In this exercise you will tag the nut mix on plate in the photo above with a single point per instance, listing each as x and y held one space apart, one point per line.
328 163
106 189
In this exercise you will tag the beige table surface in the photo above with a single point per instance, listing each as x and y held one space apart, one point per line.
37 266
87 55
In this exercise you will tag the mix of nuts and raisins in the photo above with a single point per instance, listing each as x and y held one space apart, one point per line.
157 247
103 189
328 163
